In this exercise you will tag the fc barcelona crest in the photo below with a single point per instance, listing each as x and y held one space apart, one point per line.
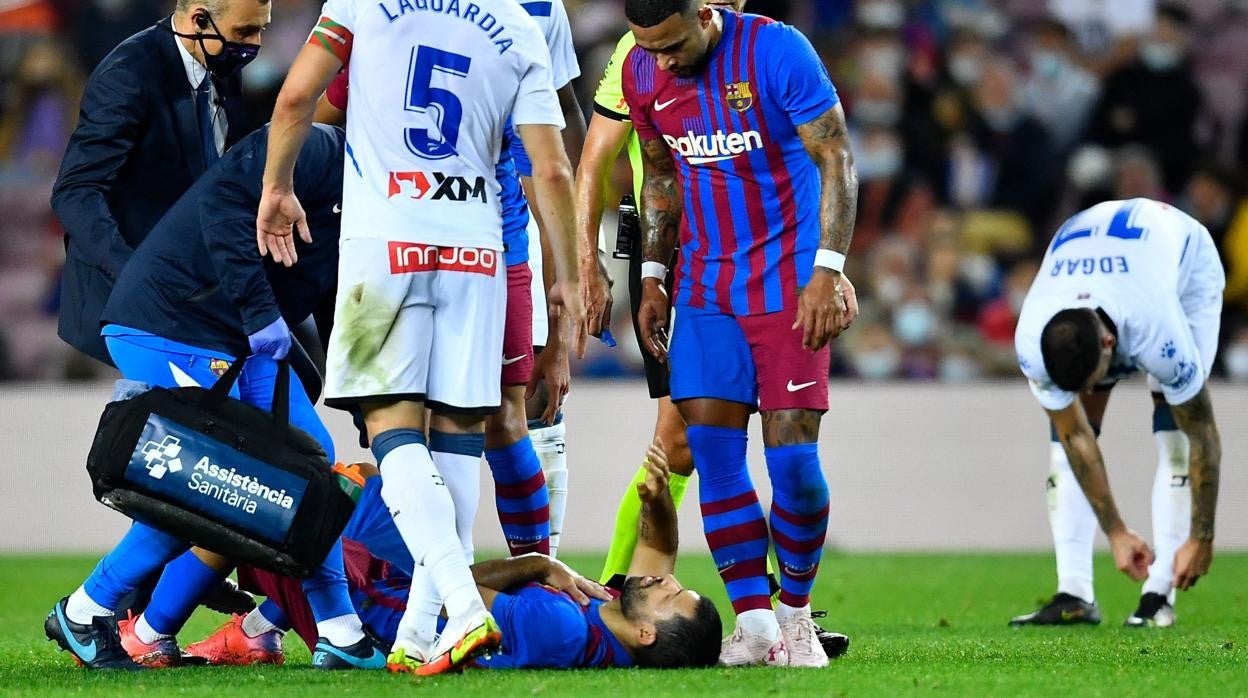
739 96
218 367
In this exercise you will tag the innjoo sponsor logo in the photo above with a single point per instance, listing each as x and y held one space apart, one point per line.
410 257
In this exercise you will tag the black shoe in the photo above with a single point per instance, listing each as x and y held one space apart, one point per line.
834 644
1062 609
1154 611
368 653
94 646
227 598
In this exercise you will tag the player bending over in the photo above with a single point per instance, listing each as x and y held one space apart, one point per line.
737 113
193 298
550 616
1126 285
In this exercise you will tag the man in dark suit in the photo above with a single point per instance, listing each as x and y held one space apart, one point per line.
156 112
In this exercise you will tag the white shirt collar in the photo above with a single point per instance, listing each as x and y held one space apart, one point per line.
195 72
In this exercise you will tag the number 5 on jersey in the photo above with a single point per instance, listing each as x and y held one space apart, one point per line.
438 104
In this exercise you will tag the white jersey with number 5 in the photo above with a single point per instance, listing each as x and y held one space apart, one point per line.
432 85
1154 271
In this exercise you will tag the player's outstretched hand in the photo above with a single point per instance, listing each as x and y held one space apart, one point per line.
1191 562
1131 554
652 318
280 212
560 576
821 309
657 474
850 294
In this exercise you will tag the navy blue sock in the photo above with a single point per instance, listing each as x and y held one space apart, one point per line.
141 552
183 583
327 589
273 613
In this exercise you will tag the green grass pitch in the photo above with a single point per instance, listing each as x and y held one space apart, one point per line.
920 624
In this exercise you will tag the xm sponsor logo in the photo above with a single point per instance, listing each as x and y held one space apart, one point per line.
436 186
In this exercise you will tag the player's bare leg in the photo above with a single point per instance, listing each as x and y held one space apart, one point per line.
799 525
1074 527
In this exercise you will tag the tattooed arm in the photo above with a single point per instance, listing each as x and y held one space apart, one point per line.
661 203
822 311
1131 553
827 142
657 538
661 208
1195 419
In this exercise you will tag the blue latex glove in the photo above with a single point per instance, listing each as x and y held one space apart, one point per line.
273 340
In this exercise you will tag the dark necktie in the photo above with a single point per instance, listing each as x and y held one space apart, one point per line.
207 132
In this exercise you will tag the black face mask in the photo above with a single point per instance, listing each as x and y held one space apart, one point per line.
233 56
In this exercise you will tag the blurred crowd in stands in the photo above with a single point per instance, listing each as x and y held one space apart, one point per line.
978 128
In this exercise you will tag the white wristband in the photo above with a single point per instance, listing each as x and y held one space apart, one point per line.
653 270
829 259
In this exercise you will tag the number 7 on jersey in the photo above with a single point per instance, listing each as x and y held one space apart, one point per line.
439 104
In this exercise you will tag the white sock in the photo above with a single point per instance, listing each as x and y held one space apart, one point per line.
146 633
255 624
551 451
462 475
1074 527
1172 509
760 622
341 631
418 629
786 612
424 513
82 608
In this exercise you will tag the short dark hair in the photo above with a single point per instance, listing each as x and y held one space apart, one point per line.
682 642
1071 346
648 13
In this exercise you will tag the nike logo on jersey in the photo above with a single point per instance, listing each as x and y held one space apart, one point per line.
509 361
660 106
337 209
802 386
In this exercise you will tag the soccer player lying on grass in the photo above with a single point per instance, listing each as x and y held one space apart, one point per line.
551 617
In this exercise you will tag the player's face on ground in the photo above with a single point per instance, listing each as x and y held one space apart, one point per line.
652 599
679 43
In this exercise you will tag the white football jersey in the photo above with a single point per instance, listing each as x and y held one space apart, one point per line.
432 85
1132 259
